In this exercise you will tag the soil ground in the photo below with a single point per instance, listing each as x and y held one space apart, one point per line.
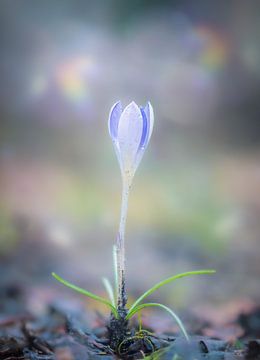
66 334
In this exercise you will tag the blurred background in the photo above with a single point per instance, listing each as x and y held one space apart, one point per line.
195 202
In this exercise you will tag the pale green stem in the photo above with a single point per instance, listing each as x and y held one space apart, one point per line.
120 246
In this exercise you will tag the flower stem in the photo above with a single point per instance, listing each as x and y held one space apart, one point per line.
120 247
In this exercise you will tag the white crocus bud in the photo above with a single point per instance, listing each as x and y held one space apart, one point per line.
130 130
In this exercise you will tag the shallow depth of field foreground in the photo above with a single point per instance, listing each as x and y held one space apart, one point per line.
129 231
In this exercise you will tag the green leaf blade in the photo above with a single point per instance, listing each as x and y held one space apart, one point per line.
86 293
166 281
166 308
109 290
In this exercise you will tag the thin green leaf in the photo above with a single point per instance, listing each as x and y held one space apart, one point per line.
109 290
86 293
177 319
156 355
166 281
115 270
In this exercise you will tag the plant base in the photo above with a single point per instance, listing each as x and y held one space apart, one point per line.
118 329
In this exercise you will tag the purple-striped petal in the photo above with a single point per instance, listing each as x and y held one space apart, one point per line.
148 109
113 119
145 132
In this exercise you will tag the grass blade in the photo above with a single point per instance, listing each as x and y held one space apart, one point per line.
177 319
86 293
109 290
166 281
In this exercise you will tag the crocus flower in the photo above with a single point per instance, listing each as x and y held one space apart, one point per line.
130 130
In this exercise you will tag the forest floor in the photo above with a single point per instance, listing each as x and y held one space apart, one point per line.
63 331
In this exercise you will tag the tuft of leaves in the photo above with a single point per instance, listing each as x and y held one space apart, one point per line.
137 305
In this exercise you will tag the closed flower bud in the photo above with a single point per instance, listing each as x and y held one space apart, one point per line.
130 130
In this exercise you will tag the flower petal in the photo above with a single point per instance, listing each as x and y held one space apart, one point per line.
148 116
148 109
129 135
117 151
113 119
145 132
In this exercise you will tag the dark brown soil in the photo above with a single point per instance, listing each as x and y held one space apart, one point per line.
65 335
